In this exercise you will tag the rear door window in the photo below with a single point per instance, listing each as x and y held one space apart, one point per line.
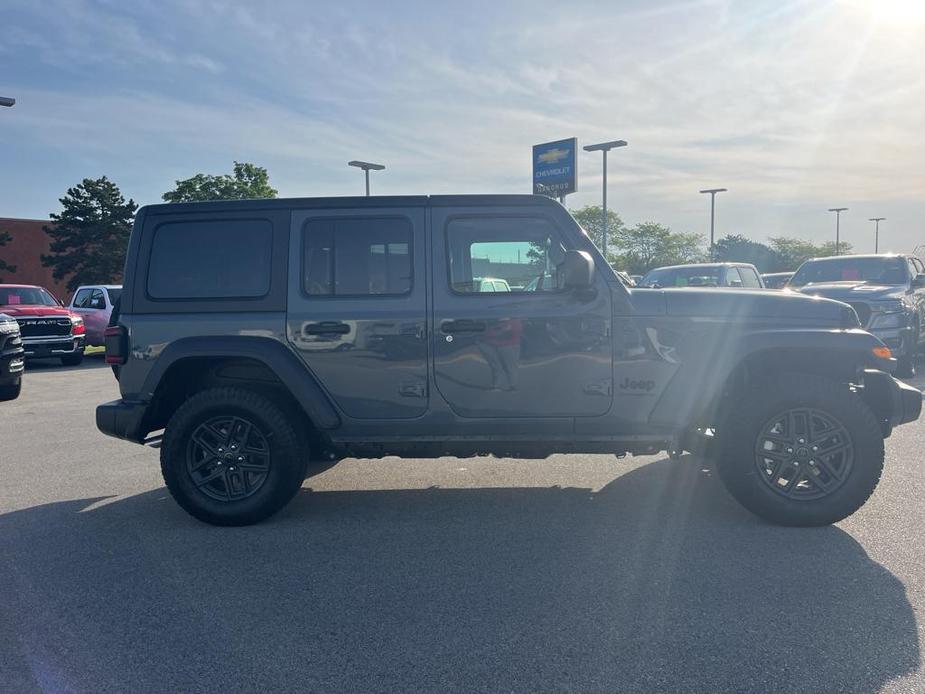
356 257
749 278
82 298
733 278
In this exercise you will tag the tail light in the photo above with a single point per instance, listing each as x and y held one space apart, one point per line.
77 326
115 339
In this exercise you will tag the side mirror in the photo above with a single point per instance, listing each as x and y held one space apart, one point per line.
579 270
918 282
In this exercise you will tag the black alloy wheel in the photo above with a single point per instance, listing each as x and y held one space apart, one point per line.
804 454
228 458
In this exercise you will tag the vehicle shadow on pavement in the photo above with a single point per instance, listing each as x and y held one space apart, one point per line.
44 365
658 582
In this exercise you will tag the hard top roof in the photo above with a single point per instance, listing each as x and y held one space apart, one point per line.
359 202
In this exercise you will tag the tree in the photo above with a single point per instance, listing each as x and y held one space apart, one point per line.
90 236
247 182
735 248
5 238
650 244
590 218
792 251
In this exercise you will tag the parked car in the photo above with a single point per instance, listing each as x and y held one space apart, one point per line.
48 328
776 280
886 291
226 363
94 304
738 275
490 284
11 358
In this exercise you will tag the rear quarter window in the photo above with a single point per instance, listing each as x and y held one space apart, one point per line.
222 259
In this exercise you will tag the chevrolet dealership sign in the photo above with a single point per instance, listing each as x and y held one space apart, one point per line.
555 168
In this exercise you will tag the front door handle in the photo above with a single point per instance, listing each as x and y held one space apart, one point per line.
327 328
463 326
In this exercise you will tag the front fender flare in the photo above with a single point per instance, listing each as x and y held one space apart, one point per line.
699 384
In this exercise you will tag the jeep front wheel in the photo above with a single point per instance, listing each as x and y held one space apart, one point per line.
232 457
806 451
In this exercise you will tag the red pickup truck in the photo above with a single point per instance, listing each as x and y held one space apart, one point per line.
48 328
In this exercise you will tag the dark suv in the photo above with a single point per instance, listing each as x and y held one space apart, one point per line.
12 358
261 335
887 291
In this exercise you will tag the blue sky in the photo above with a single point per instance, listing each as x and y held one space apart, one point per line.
794 106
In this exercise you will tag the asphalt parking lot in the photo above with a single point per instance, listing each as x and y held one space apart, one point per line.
573 574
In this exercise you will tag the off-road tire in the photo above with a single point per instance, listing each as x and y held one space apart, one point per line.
11 391
737 461
288 456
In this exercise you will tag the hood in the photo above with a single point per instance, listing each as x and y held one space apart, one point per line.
28 310
854 291
735 304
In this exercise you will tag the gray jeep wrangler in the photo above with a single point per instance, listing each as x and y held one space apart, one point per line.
257 338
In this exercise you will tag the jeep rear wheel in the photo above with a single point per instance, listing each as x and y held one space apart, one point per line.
232 457
805 452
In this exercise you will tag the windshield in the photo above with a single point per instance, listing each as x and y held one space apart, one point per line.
885 270
683 277
35 296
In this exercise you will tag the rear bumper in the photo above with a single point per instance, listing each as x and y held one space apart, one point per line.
121 420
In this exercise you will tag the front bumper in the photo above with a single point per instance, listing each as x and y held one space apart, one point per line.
121 419
894 402
11 365
54 346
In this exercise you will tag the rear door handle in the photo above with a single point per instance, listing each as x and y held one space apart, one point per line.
463 326
327 328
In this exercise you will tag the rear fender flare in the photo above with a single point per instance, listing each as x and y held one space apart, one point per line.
288 368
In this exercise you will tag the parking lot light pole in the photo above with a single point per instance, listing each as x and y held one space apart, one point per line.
367 167
876 221
603 148
837 211
6 101
713 192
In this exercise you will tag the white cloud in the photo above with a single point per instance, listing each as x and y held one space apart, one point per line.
792 105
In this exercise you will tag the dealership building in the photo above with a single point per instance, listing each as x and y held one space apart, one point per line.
28 242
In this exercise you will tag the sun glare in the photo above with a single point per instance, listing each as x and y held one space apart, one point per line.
892 12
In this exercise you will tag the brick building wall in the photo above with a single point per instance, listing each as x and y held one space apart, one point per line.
25 251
